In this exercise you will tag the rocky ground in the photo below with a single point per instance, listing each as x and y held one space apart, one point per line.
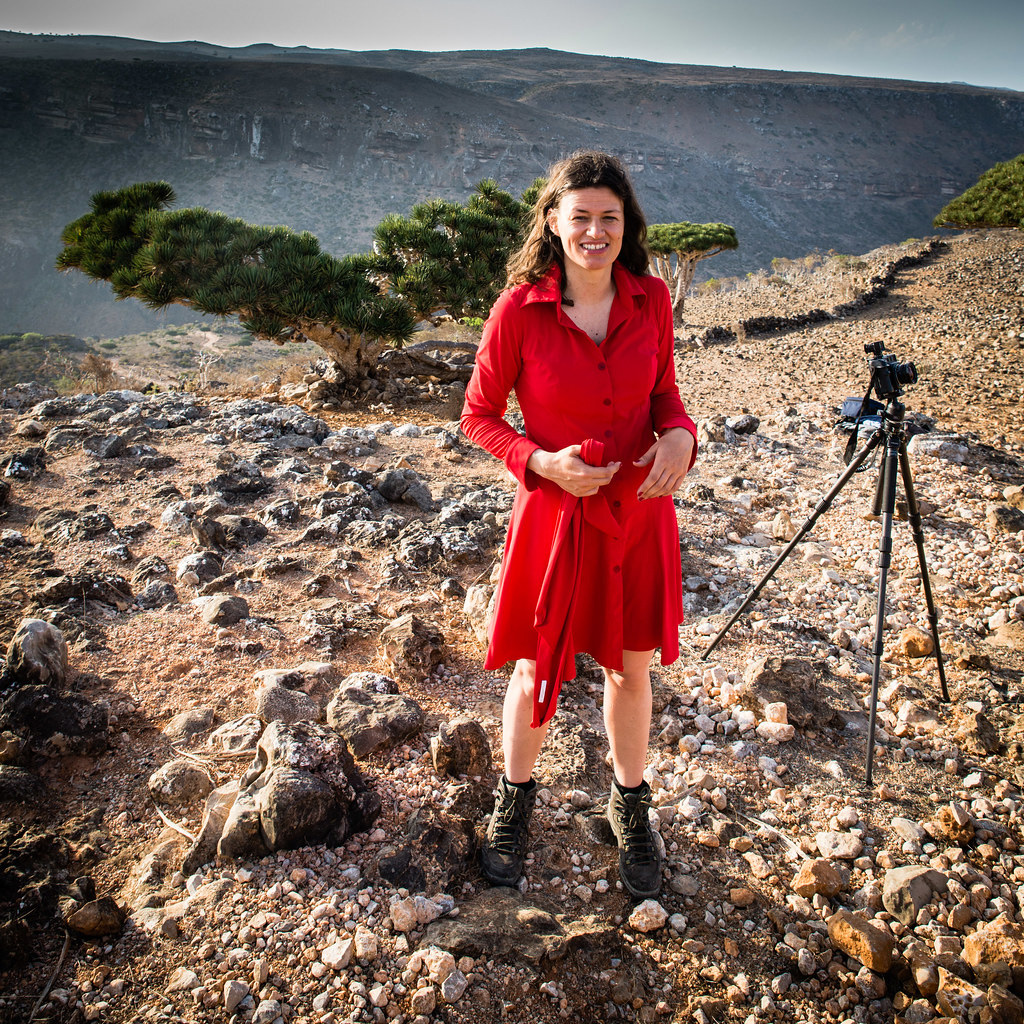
257 625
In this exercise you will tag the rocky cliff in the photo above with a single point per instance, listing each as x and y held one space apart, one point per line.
330 141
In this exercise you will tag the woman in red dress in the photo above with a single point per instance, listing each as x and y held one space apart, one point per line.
584 337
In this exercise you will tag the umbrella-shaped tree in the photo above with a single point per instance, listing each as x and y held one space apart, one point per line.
676 249
278 282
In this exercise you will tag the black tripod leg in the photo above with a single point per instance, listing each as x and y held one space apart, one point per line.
820 508
914 514
888 492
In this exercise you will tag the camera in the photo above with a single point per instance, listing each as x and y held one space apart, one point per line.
888 374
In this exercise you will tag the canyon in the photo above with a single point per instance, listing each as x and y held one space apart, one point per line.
329 141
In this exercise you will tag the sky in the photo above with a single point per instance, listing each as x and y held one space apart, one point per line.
980 42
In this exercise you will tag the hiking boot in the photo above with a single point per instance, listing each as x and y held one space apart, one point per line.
502 858
639 859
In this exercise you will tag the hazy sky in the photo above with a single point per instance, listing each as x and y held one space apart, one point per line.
975 41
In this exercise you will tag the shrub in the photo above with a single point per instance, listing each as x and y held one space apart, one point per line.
996 201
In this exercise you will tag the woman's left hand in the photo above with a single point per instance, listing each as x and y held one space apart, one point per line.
670 455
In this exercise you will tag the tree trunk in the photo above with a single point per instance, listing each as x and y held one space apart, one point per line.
684 278
355 354
678 278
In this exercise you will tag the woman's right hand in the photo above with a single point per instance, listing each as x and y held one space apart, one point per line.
570 472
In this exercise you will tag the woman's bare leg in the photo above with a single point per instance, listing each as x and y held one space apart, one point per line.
520 743
627 715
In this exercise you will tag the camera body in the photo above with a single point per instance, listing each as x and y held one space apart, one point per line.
888 374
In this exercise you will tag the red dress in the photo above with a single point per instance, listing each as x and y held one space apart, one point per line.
626 593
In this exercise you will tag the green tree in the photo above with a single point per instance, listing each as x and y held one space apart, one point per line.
448 258
676 249
996 201
278 282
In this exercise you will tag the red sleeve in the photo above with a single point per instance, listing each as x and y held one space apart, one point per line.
667 410
498 362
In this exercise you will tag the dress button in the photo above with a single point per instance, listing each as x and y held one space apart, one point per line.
617 504
607 433
607 401
601 366
616 568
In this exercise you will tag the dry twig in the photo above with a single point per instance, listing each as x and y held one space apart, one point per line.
53 977
173 824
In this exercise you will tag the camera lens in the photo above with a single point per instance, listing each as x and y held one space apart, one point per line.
906 373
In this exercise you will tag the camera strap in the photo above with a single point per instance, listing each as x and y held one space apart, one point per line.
867 406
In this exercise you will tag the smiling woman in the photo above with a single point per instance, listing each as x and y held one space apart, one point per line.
584 337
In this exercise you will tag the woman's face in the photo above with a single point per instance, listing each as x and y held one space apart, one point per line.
590 223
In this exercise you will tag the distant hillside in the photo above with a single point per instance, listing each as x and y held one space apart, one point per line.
330 141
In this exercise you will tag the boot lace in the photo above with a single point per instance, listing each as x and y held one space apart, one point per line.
508 827
637 837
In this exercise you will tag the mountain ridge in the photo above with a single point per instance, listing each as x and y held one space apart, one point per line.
331 141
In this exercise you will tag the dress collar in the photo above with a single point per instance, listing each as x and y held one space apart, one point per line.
549 287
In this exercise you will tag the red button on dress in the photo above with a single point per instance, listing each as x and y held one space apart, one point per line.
629 585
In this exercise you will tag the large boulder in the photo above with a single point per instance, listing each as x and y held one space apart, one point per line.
975 733
369 721
55 725
302 788
461 747
502 924
281 704
38 653
240 531
795 681
412 646
818 876
179 783
861 940
1000 941
237 736
908 889
87 585
186 725
1004 519
296 808
404 485
222 609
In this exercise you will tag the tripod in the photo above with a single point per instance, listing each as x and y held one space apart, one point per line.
887 376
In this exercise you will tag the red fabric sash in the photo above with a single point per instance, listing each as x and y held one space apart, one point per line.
557 600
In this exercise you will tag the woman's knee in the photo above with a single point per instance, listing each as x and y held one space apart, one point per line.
629 682
523 678
635 674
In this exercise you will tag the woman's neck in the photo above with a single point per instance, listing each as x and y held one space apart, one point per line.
587 288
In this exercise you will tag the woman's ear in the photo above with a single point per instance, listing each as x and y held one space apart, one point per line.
552 221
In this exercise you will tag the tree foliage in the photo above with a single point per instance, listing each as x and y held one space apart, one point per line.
676 249
443 258
996 201
447 257
277 281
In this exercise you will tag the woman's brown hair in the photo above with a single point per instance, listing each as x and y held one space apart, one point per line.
543 248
